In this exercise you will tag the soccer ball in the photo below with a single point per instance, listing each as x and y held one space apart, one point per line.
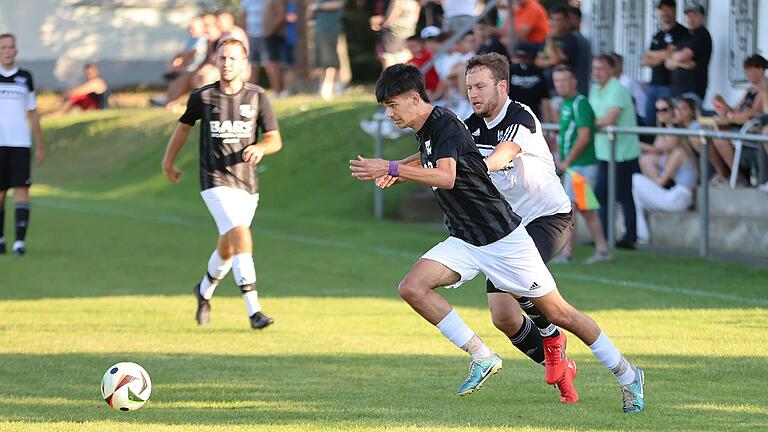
126 386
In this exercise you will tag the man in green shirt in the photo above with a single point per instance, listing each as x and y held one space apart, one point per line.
613 106
577 154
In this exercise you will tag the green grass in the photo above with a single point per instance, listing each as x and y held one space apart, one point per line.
114 251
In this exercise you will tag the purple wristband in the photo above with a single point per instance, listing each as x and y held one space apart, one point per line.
393 165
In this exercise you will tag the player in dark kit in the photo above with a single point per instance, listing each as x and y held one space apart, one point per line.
17 105
485 236
232 112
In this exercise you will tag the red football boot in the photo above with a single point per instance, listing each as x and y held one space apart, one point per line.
554 358
565 385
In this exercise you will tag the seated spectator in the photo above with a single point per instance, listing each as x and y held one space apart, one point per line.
665 118
229 30
194 51
750 105
90 95
420 56
526 81
670 185
488 41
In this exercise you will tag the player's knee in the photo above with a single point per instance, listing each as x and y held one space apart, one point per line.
409 289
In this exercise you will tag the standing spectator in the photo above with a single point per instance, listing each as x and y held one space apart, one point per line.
526 81
613 105
288 57
274 38
458 15
583 62
636 89
663 44
252 19
561 46
531 22
690 62
577 153
17 106
487 39
419 57
327 15
399 24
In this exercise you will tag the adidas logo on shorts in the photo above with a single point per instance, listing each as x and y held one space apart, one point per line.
535 286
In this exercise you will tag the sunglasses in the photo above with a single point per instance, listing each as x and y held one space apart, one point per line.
665 109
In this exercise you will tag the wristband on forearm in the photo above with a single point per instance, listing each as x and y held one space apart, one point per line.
393 166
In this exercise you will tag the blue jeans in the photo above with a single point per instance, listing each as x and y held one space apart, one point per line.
654 92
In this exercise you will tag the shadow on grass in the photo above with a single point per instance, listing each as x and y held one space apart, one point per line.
683 393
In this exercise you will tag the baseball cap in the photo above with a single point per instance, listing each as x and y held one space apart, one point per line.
696 8
429 32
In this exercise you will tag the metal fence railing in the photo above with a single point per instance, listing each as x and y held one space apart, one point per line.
704 135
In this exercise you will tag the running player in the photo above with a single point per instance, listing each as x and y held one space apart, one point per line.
509 136
232 113
17 105
485 236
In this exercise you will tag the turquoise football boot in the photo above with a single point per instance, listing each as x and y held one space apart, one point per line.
479 371
632 393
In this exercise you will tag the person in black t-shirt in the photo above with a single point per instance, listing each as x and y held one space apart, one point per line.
560 47
232 113
526 81
690 62
663 44
485 235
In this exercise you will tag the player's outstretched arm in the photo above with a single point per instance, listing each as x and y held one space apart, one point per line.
271 143
503 154
177 141
443 176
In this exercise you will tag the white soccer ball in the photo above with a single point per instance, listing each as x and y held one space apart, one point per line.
126 386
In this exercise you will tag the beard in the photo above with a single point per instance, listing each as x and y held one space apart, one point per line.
489 106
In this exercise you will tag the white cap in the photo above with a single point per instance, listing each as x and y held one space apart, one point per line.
429 32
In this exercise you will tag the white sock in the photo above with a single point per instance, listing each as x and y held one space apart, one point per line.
610 357
251 299
547 332
217 269
454 328
245 275
18 244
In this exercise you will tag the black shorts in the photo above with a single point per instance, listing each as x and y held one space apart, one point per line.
14 167
275 45
550 234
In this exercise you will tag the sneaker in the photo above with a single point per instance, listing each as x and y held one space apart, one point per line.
568 393
19 248
626 244
479 371
555 361
561 259
203 314
599 257
634 400
259 321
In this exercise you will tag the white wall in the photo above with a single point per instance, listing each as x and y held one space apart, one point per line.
55 38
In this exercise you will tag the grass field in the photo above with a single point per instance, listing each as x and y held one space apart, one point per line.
114 251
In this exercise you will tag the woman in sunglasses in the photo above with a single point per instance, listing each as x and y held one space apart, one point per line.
665 118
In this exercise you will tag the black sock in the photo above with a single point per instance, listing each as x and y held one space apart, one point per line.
22 220
528 340
542 323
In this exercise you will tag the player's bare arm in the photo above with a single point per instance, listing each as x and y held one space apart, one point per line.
442 176
271 143
37 132
504 153
177 141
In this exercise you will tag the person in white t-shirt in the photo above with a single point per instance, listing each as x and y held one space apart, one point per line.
17 106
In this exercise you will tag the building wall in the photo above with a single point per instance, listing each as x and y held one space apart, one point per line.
130 40
620 34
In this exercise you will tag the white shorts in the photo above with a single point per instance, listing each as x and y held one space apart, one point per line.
230 207
512 263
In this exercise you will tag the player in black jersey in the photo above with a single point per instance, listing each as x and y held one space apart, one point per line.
17 106
485 235
232 113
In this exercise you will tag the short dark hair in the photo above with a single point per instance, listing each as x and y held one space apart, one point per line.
688 101
756 61
232 41
564 68
575 11
415 38
399 79
608 59
494 62
618 58
8 35
668 3
561 10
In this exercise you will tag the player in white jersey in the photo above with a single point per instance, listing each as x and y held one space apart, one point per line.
232 113
17 105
